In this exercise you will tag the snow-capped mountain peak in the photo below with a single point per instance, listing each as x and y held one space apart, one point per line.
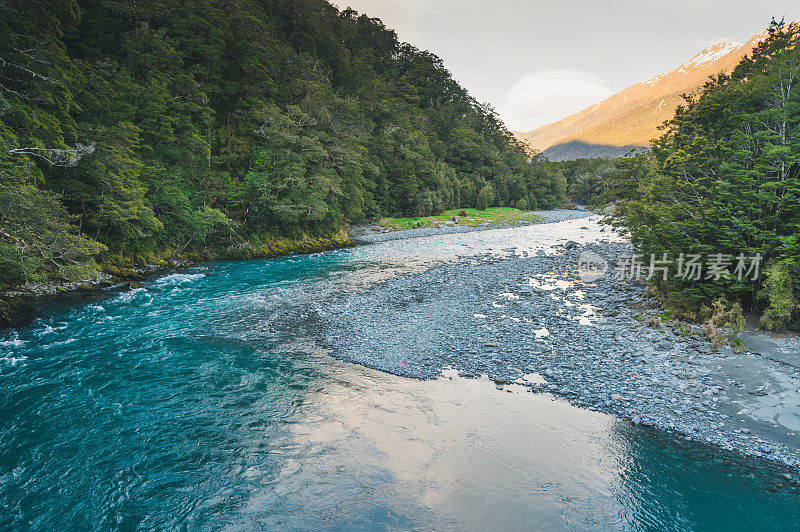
631 118
711 55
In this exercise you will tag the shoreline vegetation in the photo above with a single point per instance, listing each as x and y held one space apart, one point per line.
16 303
141 133
490 217
723 181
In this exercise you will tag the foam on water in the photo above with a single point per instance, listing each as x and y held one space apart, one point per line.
127 296
179 278
13 361
13 340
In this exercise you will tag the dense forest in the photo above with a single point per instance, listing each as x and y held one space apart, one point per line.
598 182
131 131
725 179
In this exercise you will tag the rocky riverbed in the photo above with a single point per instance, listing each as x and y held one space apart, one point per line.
371 234
525 318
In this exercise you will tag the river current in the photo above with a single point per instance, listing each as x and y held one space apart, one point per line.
202 401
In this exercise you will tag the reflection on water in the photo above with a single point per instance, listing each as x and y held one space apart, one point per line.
438 442
201 401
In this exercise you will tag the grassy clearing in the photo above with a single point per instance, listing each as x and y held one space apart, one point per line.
474 218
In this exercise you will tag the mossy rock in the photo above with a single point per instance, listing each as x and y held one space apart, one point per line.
123 272
14 311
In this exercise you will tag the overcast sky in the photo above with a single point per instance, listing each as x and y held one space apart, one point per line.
537 61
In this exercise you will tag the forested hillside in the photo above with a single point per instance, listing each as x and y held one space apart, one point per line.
597 182
725 179
133 130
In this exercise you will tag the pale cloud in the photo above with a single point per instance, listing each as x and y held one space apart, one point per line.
403 16
546 96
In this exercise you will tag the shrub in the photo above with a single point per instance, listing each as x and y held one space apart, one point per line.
779 292
485 198
724 321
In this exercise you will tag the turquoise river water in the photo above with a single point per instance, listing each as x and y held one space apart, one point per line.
201 402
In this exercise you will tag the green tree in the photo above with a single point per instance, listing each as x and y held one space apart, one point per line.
197 125
725 178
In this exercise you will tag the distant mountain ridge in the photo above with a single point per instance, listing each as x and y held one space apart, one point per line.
630 119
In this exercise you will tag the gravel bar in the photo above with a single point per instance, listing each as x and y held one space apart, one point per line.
370 234
530 321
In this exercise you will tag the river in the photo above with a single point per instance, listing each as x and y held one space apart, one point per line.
203 401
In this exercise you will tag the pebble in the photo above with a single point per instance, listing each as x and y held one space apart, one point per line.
418 324
367 234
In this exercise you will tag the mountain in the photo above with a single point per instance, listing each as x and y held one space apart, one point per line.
630 119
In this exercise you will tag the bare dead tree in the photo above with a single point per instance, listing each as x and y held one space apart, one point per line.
68 157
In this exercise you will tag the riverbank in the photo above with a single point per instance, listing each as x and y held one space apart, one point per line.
489 217
524 318
16 304
373 233
509 304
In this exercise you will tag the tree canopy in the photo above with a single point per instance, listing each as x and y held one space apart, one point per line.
200 124
725 179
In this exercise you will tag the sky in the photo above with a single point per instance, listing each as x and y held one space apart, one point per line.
536 62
